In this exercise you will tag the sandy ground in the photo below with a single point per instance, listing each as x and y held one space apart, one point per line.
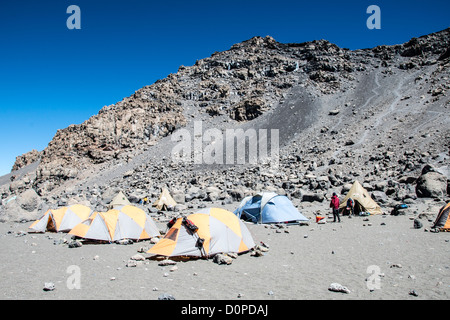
385 253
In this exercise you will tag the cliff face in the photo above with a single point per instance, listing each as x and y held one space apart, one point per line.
337 110
243 83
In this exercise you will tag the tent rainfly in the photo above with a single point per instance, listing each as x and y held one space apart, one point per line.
62 219
204 234
165 201
269 207
126 222
363 200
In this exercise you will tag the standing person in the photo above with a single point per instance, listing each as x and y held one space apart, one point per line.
334 204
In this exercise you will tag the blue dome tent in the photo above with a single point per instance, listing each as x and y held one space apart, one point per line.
269 207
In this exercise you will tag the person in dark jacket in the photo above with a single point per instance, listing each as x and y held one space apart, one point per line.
334 204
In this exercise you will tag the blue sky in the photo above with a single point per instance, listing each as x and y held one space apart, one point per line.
51 77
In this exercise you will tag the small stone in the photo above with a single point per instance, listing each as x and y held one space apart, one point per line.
336 287
334 112
21 233
142 249
222 259
124 242
75 244
138 257
232 255
154 240
413 293
49 286
166 296
167 262
256 253
133 263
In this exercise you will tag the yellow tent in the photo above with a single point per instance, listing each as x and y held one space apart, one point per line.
125 222
165 201
204 234
62 219
363 201
119 200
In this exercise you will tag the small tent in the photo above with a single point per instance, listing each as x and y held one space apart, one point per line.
119 200
442 221
204 234
269 207
62 219
164 201
126 222
363 200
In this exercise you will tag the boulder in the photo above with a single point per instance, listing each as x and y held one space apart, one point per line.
431 185
179 196
311 197
379 197
27 206
29 200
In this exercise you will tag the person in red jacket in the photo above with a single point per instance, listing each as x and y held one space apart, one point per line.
334 204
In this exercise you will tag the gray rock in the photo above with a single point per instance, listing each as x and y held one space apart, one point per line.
29 200
336 287
49 286
417 224
431 185
222 259
138 257
75 244
166 296
167 262
311 197
379 197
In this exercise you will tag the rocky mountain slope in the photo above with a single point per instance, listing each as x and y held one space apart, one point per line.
377 115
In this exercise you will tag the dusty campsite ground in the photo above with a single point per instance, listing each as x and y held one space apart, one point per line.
385 254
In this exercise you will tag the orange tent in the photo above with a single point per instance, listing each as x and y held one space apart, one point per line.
62 219
205 234
443 219
125 222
